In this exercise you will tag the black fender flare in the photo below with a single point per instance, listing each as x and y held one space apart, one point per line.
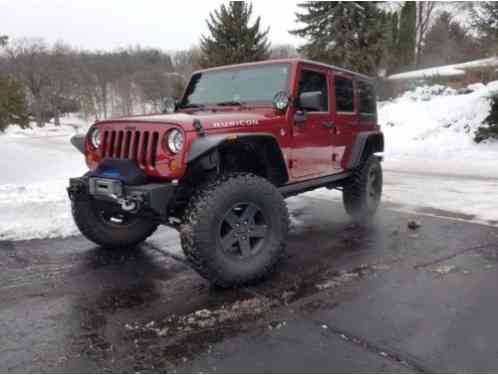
78 141
371 142
204 145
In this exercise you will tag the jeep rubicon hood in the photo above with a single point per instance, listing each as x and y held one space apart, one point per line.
210 120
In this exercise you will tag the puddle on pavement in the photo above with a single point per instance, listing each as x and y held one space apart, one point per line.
133 296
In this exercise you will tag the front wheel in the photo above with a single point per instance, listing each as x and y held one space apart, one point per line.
362 193
235 229
105 224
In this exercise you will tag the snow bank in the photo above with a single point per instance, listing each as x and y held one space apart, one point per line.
38 210
35 165
431 129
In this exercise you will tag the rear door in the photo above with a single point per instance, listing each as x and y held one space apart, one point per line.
345 118
312 146
367 104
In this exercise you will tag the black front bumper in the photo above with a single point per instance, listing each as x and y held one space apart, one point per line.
152 197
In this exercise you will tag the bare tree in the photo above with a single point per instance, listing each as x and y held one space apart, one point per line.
62 73
187 61
103 71
59 79
28 61
283 51
425 12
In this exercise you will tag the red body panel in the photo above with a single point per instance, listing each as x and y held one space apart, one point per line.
309 148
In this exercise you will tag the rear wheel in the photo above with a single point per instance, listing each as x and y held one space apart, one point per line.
361 195
235 229
107 225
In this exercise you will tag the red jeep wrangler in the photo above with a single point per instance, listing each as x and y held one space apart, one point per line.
218 163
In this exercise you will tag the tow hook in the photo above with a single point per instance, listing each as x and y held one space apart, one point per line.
128 205
131 203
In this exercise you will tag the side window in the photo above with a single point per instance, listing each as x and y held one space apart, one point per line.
344 101
312 81
367 98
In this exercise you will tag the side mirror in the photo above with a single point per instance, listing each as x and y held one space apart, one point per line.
311 101
169 105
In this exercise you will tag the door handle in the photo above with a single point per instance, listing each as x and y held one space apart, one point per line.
328 124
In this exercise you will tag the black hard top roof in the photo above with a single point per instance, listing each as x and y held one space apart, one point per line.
291 61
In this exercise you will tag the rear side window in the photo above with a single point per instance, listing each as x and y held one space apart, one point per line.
367 98
314 81
344 101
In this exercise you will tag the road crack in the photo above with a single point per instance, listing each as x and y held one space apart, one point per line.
454 255
406 360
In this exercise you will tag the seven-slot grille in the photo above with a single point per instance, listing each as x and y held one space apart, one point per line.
137 145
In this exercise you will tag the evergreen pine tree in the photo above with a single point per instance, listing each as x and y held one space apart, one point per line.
393 42
489 129
13 108
232 39
349 34
390 36
394 30
485 21
405 49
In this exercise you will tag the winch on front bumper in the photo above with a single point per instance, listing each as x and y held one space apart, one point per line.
133 199
123 183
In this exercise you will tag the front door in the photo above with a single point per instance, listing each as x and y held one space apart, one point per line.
312 136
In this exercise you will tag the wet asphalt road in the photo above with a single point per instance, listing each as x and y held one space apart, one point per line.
347 299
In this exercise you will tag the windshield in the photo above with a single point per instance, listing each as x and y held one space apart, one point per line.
256 84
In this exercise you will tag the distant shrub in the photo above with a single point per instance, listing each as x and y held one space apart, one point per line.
426 92
489 130
13 109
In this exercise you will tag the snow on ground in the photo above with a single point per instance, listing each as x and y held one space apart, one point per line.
456 197
431 130
430 162
36 164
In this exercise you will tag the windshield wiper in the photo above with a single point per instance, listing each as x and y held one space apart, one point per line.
193 105
229 103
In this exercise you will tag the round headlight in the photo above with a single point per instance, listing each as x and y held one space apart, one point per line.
95 138
281 101
175 141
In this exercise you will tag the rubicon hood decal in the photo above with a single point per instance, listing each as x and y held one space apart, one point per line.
235 123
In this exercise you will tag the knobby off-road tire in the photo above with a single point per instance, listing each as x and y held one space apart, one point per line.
94 222
362 193
234 229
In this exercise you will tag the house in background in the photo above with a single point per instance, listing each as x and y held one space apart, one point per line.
456 76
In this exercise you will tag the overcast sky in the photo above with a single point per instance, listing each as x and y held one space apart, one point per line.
109 24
